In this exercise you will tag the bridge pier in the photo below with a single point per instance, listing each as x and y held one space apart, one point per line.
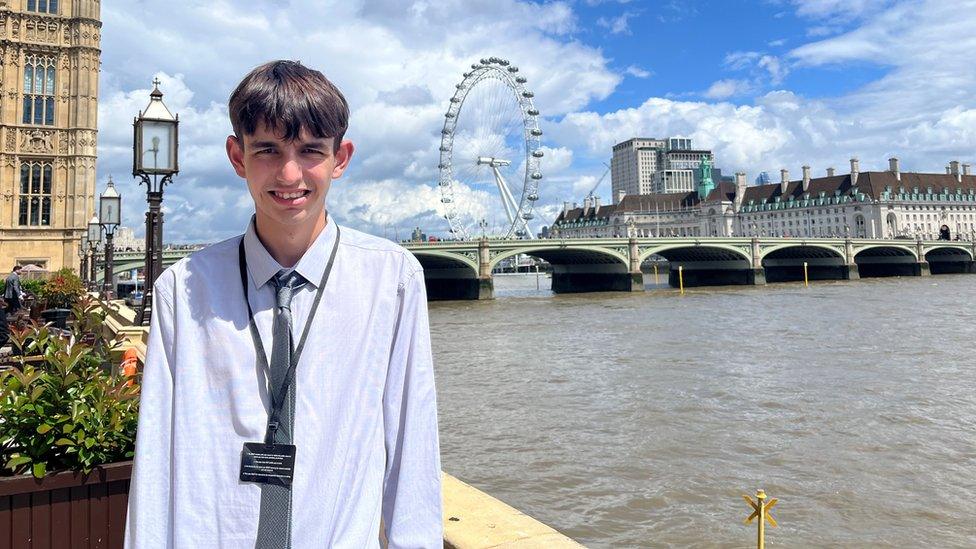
579 282
469 289
850 272
922 269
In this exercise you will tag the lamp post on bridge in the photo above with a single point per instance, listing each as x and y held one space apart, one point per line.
110 208
155 160
94 238
83 255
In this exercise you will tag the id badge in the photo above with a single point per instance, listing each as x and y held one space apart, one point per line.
268 463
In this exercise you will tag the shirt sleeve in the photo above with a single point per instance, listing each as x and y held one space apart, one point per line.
150 516
412 483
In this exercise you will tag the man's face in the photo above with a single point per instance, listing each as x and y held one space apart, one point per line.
288 180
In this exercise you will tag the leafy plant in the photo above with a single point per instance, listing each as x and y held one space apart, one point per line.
63 407
63 289
30 285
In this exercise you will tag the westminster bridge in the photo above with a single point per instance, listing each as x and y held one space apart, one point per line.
463 269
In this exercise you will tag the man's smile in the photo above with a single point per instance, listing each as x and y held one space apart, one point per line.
290 198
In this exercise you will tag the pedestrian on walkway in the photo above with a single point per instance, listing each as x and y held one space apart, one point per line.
12 292
288 390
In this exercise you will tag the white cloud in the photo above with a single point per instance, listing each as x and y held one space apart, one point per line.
723 89
637 72
397 65
398 74
617 25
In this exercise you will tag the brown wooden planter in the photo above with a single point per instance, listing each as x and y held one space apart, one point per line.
65 510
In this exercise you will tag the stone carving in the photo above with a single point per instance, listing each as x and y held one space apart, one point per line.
10 144
40 30
38 141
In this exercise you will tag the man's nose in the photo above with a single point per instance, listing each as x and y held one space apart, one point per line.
290 172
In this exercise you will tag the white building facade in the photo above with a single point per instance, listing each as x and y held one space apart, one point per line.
885 204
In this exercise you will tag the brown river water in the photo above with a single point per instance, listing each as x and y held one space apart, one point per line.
639 420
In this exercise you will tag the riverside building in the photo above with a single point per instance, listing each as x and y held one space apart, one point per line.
50 51
876 204
644 165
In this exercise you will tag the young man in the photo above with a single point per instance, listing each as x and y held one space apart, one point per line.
12 290
288 392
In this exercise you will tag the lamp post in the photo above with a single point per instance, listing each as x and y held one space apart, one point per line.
94 238
110 212
83 254
155 162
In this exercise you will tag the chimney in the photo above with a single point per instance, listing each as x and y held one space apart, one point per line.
596 202
586 205
965 169
854 171
954 170
830 172
806 179
948 170
620 196
740 189
784 180
893 168
565 207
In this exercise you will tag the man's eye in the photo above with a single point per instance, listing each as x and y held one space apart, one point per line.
313 151
264 151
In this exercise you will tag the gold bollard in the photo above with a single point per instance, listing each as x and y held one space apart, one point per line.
761 511
681 278
806 276
655 275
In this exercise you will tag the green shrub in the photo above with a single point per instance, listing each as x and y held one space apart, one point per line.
70 411
62 290
32 285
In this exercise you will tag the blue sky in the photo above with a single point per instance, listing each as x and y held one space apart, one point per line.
768 84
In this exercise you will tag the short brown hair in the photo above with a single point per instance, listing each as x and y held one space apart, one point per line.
288 96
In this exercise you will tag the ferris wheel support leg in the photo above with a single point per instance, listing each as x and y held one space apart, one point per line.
510 207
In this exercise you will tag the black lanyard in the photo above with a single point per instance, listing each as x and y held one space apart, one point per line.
278 400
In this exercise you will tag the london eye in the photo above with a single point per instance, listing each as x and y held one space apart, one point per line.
491 140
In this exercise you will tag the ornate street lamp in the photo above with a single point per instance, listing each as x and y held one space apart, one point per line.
94 238
83 254
110 212
155 161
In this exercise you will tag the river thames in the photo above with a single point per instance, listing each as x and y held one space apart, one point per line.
639 420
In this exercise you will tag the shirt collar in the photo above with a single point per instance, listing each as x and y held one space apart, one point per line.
311 266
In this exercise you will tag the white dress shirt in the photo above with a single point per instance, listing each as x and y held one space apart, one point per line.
365 414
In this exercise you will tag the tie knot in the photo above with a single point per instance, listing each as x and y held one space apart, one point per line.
286 283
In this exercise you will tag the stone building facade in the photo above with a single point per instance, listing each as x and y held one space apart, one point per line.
48 129
877 204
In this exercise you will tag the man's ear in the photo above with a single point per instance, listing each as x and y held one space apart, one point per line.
235 152
342 156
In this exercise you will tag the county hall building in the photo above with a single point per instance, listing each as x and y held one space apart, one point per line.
874 204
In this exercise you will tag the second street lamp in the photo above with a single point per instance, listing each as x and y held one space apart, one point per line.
94 238
83 254
155 161
110 206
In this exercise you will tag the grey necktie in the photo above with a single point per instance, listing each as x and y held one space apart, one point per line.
274 526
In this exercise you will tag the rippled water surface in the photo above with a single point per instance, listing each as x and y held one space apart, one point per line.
638 420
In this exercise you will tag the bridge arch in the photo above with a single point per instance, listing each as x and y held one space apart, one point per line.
450 275
713 251
804 260
887 260
567 255
949 259
712 264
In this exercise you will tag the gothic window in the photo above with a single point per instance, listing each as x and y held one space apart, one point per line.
42 6
35 193
39 86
